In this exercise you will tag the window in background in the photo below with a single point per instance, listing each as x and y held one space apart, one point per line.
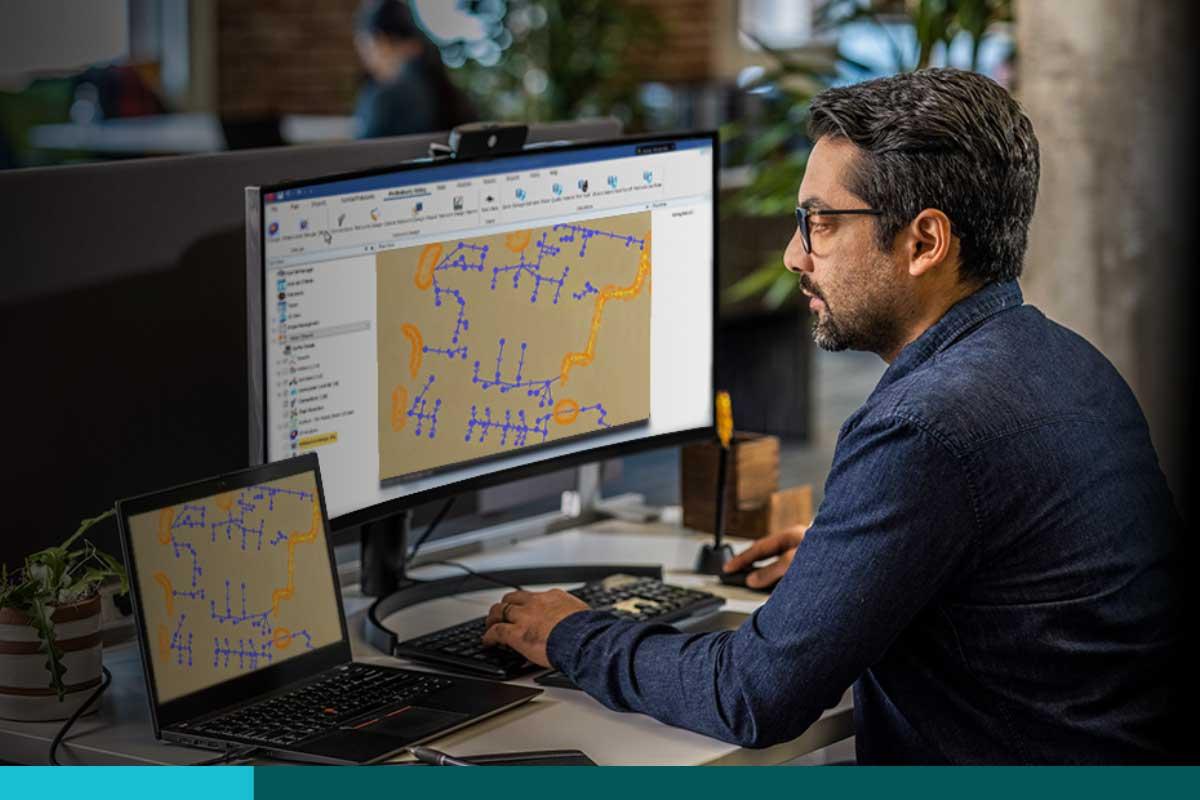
779 24
158 35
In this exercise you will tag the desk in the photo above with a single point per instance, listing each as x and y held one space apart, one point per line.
560 718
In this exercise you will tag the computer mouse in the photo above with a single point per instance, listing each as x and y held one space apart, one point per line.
738 578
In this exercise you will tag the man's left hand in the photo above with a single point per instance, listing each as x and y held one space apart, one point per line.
523 621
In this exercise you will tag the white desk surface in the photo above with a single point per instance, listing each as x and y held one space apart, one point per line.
559 718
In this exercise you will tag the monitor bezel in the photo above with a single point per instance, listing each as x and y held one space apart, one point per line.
238 689
389 508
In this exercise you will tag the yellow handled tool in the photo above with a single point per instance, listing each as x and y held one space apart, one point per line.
713 556
724 418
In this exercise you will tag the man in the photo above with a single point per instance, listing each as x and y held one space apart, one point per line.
990 564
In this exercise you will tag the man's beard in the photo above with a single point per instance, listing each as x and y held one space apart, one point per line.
827 334
872 328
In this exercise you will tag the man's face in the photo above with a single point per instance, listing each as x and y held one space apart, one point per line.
855 289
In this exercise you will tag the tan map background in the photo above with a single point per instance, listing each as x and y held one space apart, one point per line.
601 342
289 589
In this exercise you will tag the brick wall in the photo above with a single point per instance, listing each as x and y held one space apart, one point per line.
286 56
297 56
687 55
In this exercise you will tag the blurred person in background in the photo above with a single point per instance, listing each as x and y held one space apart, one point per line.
409 88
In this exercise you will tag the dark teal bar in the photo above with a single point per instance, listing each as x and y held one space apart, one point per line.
746 783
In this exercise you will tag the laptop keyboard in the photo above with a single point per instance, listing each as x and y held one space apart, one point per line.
340 695
629 597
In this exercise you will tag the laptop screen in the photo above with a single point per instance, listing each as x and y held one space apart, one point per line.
233 583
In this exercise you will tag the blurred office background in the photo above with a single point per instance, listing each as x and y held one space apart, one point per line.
1106 82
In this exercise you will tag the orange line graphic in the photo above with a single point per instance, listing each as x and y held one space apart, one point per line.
162 580
566 411
281 638
164 641
166 518
413 334
295 538
609 292
224 501
426 264
518 240
399 404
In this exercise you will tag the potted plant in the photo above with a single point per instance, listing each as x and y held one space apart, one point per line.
50 657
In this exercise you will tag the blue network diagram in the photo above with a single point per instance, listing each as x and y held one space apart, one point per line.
507 404
227 534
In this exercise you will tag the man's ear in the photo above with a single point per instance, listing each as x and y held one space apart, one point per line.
930 242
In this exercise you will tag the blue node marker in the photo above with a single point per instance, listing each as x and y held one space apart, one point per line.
584 234
587 290
177 643
448 352
519 427
538 387
255 619
534 270
417 410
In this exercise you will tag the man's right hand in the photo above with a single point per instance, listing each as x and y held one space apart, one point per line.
782 544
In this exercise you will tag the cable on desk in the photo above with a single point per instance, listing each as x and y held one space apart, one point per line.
105 682
84 706
485 576
430 528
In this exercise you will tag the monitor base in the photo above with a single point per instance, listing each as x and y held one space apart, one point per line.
413 592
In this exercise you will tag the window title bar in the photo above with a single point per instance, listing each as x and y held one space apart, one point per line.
441 171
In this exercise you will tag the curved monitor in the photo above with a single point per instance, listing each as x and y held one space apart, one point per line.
445 326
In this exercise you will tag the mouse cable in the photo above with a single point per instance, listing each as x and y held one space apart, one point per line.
484 575
429 529
106 681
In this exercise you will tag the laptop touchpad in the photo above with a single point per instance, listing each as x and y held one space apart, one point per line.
411 723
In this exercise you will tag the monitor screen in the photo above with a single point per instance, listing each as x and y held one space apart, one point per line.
439 323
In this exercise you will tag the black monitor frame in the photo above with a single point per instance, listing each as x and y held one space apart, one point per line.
256 281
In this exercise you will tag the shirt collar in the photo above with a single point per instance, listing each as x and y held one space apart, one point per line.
958 320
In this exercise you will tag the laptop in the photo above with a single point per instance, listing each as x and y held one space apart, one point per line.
243 637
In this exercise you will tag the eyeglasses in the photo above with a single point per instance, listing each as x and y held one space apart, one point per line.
802 215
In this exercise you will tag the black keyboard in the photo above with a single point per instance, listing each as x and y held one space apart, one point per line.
626 596
341 694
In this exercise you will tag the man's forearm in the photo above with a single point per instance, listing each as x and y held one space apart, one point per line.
711 683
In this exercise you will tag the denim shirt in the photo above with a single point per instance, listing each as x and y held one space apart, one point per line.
989 568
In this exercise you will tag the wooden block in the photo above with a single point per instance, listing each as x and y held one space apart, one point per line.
753 476
791 507
783 509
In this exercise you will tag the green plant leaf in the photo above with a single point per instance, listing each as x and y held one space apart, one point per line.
39 614
755 282
84 525
730 130
769 141
783 287
115 569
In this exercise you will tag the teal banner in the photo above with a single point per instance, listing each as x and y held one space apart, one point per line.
760 783
127 783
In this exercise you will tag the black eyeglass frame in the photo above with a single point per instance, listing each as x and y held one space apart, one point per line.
802 215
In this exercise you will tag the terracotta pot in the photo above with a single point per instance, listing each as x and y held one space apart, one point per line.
25 691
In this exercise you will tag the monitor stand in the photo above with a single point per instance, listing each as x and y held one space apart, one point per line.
385 547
